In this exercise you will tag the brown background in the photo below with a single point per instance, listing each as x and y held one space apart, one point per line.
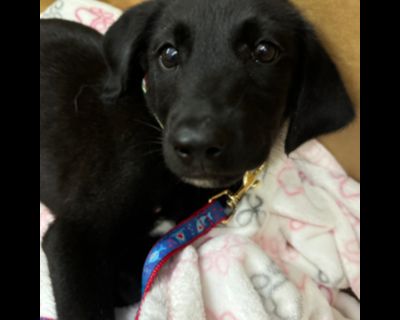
338 25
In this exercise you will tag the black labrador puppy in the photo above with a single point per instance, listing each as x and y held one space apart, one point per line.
221 78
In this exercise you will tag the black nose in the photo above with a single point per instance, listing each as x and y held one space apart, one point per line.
198 144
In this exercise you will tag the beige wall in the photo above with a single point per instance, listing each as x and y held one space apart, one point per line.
337 23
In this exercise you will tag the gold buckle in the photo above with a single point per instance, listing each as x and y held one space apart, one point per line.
249 181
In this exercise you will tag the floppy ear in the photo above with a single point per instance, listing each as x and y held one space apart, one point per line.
322 104
124 47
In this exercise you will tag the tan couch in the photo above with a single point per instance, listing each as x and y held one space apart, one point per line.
338 25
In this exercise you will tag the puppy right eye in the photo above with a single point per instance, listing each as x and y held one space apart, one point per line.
265 52
169 57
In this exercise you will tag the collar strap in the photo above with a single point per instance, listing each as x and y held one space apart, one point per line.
185 233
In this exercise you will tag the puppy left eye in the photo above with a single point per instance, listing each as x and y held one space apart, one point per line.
265 52
169 57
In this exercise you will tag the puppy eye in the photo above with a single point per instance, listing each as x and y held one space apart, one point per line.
265 52
169 57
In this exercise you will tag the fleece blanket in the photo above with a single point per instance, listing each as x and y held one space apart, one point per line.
291 245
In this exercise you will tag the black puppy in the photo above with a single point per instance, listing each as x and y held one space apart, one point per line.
222 77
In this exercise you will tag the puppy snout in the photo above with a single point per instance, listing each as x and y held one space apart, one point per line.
194 144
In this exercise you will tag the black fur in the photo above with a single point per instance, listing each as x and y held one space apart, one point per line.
104 163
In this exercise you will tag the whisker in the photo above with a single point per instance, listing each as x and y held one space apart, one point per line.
149 125
157 143
152 152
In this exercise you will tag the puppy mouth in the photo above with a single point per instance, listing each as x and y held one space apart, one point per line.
212 182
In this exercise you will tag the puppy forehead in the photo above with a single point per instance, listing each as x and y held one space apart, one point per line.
197 9
215 18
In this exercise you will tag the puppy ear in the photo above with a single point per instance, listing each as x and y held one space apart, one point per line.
124 46
321 103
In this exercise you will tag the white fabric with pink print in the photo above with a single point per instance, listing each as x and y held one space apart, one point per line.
95 14
292 244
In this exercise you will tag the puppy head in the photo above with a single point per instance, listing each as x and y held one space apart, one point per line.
222 77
